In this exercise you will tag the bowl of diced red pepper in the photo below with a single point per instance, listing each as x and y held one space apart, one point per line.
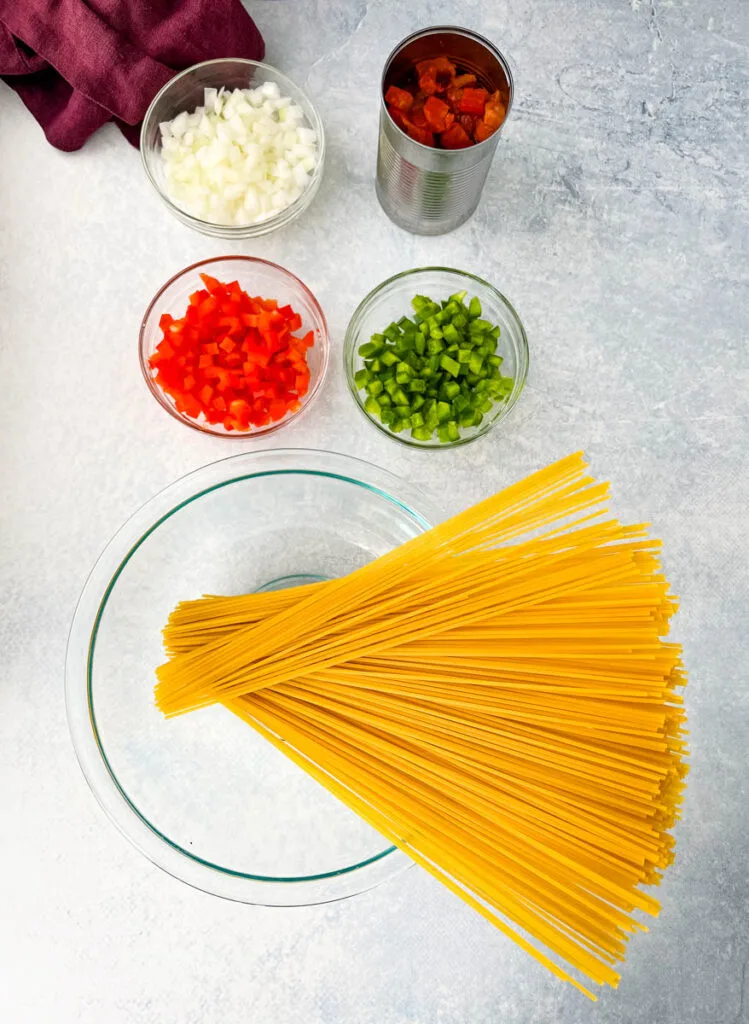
442 105
234 346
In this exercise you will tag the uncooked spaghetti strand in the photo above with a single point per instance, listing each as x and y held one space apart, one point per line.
634 720
491 679
504 778
521 836
551 939
216 614
357 585
495 696
452 534
619 839
550 710
220 615
210 667
447 731
442 741
414 853
383 825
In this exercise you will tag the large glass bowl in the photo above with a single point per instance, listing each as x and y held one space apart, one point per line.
185 92
202 795
391 300
258 277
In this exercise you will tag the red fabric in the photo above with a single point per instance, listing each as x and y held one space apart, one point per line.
77 64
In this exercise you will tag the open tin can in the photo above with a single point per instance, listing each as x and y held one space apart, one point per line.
425 190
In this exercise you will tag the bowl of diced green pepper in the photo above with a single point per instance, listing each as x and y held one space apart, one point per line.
435 357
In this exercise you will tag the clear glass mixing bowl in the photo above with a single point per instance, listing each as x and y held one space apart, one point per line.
204 796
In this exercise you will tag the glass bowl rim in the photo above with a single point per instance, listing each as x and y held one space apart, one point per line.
166 854
207 428
280 219
504 409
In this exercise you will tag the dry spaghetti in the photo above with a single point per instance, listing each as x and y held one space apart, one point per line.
495 696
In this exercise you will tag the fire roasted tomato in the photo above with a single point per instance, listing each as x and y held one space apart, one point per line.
442 105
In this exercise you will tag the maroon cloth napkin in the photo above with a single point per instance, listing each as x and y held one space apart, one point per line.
77 64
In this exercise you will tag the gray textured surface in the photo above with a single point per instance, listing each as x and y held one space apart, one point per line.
615 219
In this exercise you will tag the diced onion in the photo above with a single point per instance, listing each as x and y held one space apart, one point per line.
241 158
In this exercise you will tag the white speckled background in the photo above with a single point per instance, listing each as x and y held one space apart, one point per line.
615 219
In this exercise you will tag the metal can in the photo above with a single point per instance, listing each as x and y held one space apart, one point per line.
425 190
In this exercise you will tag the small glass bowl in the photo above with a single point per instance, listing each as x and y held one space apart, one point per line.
258 277
391 300
202 795
185 92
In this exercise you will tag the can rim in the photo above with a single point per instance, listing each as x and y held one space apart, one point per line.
453 30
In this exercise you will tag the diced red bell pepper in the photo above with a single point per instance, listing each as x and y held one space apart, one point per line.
207 307
240 410
185 403
254 359
401 99
231 357
473 101
231 324
223 378
211 283
163 353
455 137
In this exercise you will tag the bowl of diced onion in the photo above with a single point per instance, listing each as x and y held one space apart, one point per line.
233 148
